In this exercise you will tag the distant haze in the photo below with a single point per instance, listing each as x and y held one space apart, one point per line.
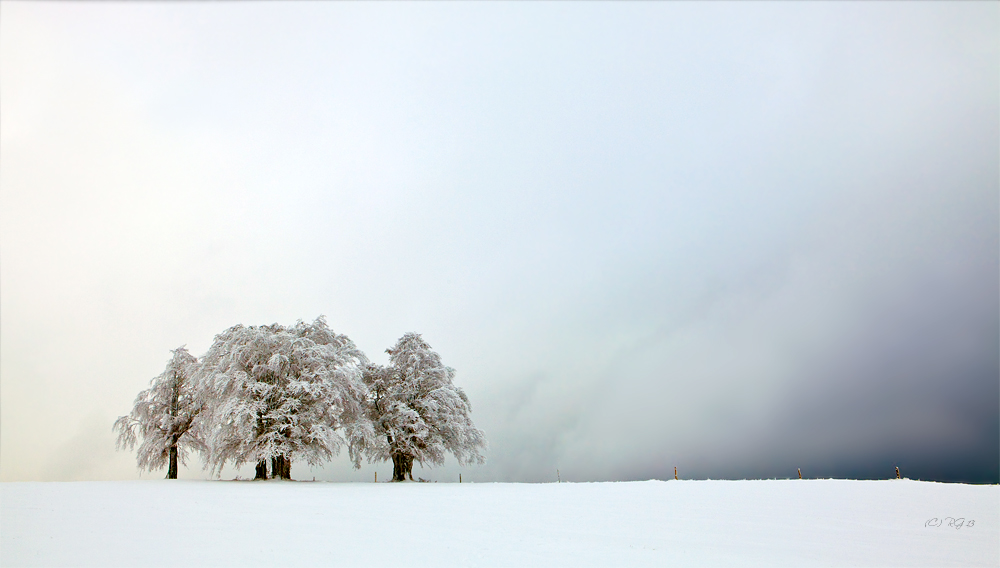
735 238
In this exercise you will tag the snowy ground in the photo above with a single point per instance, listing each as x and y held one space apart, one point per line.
680 523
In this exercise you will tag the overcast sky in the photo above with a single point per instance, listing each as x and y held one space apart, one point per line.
738 239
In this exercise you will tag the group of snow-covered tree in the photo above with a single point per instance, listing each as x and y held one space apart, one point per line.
271 394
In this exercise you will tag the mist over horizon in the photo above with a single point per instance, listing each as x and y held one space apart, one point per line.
738 239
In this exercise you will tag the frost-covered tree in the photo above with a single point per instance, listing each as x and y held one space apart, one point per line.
417 413
280 393
165 417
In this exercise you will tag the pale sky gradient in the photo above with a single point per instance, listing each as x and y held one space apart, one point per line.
738 238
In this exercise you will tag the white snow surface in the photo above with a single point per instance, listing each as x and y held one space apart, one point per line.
651 523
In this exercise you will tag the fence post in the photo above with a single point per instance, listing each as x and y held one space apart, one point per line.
800 472
897 473
675 472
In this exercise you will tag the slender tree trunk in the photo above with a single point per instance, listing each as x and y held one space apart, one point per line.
286 472
174 396
408 464
261 470
172 469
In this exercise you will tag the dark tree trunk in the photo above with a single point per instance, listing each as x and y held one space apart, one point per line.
261 470
402 467
281 467
397 468
172 469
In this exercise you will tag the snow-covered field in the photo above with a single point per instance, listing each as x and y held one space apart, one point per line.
657 523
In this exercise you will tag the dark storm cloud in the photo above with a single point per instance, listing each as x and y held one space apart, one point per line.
840 314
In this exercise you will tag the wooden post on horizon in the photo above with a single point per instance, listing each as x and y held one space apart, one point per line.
460 478
800 472
675 473
376 477
897 473
558 477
